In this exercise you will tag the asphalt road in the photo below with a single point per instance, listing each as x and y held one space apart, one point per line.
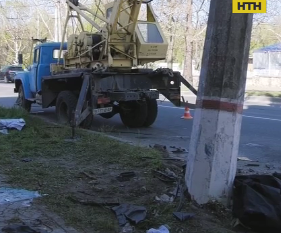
260 133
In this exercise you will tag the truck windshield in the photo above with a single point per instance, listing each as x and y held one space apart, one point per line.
150 33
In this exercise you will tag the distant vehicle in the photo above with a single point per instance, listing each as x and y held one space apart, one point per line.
8 73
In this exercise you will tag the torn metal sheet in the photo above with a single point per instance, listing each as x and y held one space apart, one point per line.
9 195
6 124
125 212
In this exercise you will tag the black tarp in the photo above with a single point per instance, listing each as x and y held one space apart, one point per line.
257 202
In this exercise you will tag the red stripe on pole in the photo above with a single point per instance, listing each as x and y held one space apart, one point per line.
219 105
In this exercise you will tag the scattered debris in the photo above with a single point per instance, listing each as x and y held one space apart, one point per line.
269 166
127 229
16 228
88 175
254 145
170 173
164 198
163 176
8 195
252 165
125 212
6 124
161 148
125 176
257 202
179 151
26 160
3 130
161 229
245 159
183 216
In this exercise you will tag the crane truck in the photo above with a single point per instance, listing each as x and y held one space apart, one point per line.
101 72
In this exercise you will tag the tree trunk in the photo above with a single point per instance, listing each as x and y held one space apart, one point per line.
187 69
170 52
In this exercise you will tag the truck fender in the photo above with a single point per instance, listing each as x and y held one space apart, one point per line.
23 79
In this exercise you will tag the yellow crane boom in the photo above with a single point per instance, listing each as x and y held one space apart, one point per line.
121 41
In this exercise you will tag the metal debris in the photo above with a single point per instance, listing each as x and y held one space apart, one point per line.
125 212
164 198
163 176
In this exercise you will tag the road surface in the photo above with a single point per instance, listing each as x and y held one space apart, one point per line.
260 134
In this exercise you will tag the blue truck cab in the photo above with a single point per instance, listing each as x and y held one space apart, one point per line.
28 83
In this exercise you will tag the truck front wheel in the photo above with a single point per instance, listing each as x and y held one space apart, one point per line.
22 101
65 105
134 113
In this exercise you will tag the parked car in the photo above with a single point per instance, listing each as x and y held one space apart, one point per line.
8 73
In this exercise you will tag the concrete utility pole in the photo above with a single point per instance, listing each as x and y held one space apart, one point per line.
212 160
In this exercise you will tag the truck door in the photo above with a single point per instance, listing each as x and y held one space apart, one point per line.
34 68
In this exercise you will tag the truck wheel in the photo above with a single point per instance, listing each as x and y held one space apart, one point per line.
152 111
21 101
133 114
65 105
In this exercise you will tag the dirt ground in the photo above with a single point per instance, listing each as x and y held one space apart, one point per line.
83 182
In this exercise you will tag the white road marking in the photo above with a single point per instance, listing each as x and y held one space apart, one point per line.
261 118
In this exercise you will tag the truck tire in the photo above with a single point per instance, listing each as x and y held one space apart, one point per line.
21 101
152 112
133 114
65 105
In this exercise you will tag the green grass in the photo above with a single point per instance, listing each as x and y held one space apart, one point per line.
264 93
39 158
